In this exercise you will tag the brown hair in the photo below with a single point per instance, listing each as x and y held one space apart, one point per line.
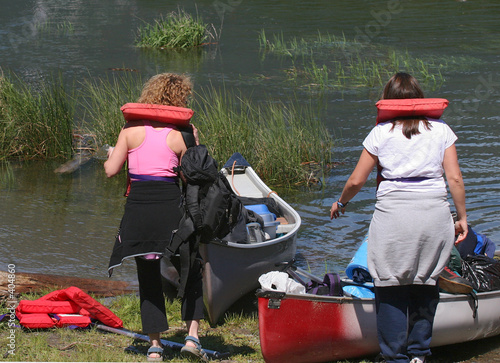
403 85
167 89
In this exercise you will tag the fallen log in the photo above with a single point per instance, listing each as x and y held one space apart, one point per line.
33 282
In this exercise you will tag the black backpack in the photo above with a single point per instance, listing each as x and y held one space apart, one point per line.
209 199
211 209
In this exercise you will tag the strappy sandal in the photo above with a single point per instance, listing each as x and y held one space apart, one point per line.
155 350
194 352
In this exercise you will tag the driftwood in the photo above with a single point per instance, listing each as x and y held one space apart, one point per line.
27 282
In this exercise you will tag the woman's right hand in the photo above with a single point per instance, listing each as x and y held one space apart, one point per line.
334 211
110 151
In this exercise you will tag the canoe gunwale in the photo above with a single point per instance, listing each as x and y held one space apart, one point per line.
443 297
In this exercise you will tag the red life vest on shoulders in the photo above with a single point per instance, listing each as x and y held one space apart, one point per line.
393 108
178 116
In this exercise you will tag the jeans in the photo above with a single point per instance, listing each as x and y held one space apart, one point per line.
405 316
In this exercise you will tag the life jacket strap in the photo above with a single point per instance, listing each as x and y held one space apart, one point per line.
141 177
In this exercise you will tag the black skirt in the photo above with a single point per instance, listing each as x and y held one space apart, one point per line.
152 212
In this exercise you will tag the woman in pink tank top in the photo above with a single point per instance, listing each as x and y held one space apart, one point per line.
152 211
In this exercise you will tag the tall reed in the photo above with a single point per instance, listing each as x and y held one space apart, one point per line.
176 30
102 99
35 122
275 137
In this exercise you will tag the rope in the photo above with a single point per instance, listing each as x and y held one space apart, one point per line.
232 179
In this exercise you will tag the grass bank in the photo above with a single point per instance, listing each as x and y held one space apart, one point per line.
238 335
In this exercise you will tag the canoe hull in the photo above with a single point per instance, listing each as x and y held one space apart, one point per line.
224 279
300 328
232 270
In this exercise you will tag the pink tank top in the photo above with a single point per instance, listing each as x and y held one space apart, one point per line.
153 156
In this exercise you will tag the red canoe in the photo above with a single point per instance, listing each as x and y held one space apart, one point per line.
311 328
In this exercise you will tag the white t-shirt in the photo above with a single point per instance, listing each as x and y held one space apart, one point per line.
418 157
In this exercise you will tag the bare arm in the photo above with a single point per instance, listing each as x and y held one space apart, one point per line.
457 190
117 155
175 142
358 178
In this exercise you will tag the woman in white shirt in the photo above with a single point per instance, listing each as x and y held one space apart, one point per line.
412 232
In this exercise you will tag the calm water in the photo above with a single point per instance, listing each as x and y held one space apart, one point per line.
66 224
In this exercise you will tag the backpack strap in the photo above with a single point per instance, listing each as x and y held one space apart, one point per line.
333 281
192 204
188 136
331 286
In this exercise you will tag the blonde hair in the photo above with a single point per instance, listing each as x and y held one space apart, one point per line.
167 89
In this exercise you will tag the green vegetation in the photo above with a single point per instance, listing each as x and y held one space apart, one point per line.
276 138
49 27
35 123
102 99
238 335
302 47
178 30
330 62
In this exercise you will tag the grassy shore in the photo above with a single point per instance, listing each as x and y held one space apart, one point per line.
237 335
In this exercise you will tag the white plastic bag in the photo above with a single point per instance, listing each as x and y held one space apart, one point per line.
280 281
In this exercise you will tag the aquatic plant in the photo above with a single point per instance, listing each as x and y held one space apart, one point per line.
50 27
176 30
330 62
35 122
300 47
102 98
7 178
275 137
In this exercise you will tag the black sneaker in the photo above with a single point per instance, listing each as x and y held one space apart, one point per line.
450 282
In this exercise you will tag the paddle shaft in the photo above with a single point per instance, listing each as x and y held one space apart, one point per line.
167 343
307 274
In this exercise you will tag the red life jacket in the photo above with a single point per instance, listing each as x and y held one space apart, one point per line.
391 109
62 308
178 116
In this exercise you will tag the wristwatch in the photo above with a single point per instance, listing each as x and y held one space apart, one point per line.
342 205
